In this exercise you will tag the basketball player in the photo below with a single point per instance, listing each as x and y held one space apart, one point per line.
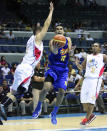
94 65
25 70
56 75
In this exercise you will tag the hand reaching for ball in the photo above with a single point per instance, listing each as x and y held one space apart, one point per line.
59 41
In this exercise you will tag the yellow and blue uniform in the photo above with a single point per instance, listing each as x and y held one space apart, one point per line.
58 67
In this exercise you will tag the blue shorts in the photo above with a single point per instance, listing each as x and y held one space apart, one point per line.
60 78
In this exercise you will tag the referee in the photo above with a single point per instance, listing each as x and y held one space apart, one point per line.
37 84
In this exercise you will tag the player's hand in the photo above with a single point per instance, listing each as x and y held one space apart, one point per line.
56 44
51 6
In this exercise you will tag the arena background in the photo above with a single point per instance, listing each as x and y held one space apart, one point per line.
85 21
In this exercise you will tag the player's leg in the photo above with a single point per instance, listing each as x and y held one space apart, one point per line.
59 100
22 78
47 85
83 97
93 95
61 85
90 110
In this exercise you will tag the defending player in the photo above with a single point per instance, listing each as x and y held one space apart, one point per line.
25 70
56 75
94 65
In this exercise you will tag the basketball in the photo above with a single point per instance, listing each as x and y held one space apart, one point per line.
60 40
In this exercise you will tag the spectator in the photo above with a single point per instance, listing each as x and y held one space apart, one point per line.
77 54
71 70
13 68
28 27
37 84
2 34
83 53
2 93
105 80
100 102
79 32
5 86
46 62
10 35
104 48
74 82
5 70
49 101
3 96
89 38
3 61
38 24
26 103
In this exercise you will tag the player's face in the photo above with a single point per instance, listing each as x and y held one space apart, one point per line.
96 48
59 30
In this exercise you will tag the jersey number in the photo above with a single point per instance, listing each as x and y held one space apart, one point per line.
63 58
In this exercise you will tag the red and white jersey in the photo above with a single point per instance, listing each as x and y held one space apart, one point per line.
33 52
94 66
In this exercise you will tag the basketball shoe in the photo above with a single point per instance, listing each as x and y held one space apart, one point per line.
92 117
37 111
84 121
53 118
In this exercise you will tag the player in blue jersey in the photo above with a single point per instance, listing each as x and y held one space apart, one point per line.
56 75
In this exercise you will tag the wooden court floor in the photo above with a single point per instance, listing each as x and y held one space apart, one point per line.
65 123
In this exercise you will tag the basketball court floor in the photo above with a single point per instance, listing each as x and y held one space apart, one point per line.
66 122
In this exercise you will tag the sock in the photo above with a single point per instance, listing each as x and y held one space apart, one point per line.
55 110
6 101
38 106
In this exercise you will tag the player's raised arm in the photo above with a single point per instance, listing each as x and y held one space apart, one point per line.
39 37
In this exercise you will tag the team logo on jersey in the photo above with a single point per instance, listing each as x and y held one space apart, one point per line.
92 64
63 51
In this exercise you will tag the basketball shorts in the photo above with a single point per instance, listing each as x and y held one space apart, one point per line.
60 79
90 90
22 76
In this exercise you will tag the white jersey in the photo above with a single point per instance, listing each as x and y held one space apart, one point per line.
94 66
33 52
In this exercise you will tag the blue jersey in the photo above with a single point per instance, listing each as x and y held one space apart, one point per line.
58 67
60 60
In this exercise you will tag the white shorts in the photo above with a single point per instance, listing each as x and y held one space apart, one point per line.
22 76
90 90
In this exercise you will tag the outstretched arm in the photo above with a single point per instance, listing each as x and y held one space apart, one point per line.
39 37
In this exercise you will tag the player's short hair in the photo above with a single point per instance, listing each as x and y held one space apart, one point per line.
59 24
97 44
36 28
